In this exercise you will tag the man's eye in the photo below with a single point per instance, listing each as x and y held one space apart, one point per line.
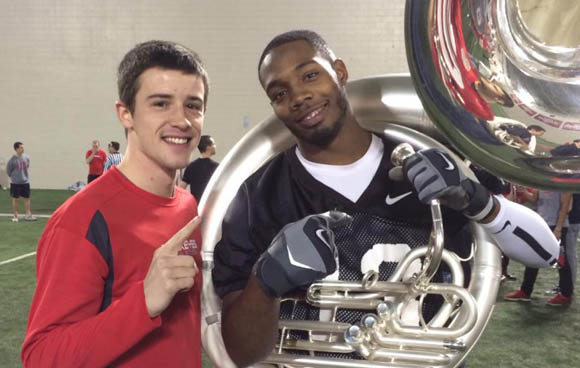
311 75
279 96
161 104
195 106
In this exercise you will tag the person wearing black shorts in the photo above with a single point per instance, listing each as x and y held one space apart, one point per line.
17 170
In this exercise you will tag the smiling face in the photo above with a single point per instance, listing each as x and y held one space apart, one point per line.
306 91
166 123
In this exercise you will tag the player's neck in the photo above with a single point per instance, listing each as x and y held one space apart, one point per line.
351 143
205 155
147 175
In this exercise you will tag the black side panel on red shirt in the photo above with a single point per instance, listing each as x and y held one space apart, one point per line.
98 235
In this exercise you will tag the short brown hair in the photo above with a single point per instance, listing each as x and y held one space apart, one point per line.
151 54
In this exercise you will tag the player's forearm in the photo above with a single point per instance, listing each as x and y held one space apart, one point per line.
563 212
523 235
250 324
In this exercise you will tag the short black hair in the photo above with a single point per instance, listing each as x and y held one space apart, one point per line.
536 127
115 145
312 38
17 145
204 142
161 54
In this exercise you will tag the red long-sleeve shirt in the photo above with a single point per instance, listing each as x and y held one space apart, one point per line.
89 306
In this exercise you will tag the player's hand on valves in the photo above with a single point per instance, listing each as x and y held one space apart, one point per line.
170 272
303 251
435 175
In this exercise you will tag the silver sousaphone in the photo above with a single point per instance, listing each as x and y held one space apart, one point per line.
471 62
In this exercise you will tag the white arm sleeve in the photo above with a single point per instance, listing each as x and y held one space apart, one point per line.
523 235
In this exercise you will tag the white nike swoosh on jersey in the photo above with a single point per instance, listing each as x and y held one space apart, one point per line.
321 237
294 262
450 165
390 201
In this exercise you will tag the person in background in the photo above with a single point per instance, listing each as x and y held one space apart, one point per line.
554 208
95 158
198 172
571 251
17 170
115 157
524 138
572 149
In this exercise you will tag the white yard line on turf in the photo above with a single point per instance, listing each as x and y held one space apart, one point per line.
24 255
22 216
17 258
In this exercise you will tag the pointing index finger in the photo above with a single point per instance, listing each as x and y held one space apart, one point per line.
174 244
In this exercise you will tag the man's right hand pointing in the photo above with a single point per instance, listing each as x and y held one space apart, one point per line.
169 272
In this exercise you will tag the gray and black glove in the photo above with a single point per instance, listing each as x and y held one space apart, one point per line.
435 175
302 252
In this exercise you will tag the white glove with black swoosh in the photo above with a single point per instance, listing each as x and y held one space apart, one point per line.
435 175
302 252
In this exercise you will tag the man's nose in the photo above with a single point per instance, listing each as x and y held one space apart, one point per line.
299 96
179 118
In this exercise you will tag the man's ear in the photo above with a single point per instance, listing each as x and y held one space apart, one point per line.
341 72
124 115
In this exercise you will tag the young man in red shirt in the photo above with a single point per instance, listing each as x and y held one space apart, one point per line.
117 266
95 158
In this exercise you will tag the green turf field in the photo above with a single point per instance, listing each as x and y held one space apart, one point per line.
518 335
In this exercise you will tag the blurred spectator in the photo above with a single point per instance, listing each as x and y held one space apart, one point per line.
95 158
198 172
524 138
115 157
17 170
567 149
553 207
572 237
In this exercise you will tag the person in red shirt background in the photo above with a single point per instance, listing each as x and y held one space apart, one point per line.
95 158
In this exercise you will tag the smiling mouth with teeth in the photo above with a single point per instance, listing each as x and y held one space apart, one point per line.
176 140
312 114
314 117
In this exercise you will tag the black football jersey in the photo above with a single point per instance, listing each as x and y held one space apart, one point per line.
388 221
387 217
